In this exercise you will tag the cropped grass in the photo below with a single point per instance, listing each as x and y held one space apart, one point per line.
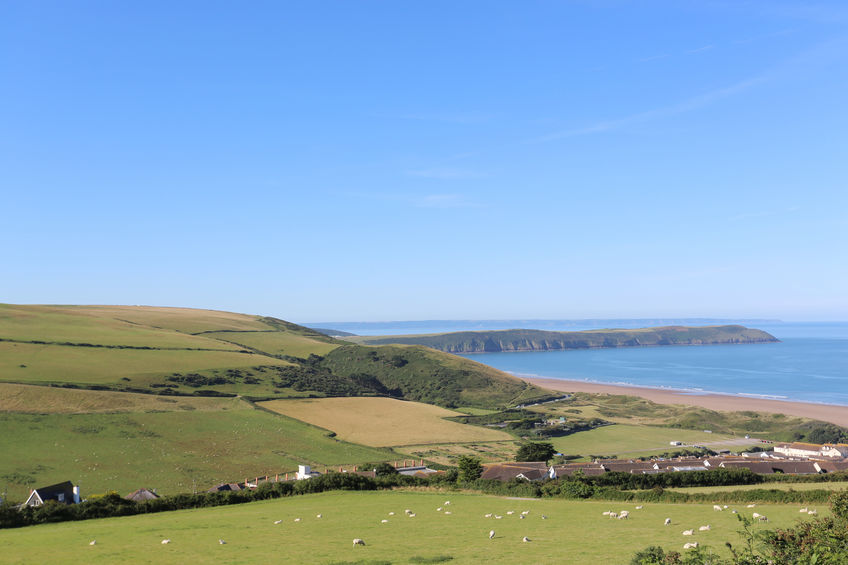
173 451
575 531
634 440
382 422
276 342
31 363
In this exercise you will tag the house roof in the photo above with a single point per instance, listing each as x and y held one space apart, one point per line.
223 487
142 494
509 471
833 466
64 490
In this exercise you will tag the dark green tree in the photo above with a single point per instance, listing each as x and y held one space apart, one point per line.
469 468
535 451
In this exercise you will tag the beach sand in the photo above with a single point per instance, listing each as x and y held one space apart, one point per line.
728 403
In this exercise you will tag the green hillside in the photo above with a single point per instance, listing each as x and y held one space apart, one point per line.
540 340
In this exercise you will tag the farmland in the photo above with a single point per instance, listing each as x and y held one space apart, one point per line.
192 447
383 422
252 536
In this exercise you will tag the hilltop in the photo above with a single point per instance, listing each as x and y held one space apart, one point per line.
542 340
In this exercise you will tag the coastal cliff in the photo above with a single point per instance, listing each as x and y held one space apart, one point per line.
540 340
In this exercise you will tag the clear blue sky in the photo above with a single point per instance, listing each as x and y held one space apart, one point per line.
416 160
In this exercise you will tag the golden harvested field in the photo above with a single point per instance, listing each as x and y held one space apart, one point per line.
31 399
383 422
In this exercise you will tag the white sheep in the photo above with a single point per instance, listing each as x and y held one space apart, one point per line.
804 510
221 542
750 506
278 521
613 514
521 517
439 509
447 502
623 516
447 512
411 515
357 541
755 515
716 507
491 534
734 512
690 545
525 512
498 517
297 519
384 521
391 513
487 516
638 507
166 541
688 532
606 512
319 516
812 512
763 519
668 521
525 539
704 528
544 517
93 542
510 512
407 511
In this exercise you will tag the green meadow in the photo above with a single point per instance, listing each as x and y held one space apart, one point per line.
251 535
173 451
635 440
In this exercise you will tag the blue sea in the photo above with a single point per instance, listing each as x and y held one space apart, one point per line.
810 363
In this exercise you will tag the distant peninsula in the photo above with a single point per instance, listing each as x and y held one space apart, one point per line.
542 340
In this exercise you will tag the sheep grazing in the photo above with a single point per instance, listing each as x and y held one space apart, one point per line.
525 512
411 515
357 541
93 542
668 521
804 510
750 506
606 512
716 507
221 542
525 539
510 513
407 511
638 508
613 514
755 515
391 513
690 545
734 512
813 512
439 509
521 517
278 521
447 502
447 512
166 541
544 517
623 516
763 519
725 506
491 534
688 532
498 517
384 521
487 516
297 519
319 516
704 528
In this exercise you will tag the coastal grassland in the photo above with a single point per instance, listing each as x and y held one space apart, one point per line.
34 399
448 453
787 486
383 422
637 440
575 531
173 451
33 363
424 375
79 325
276 342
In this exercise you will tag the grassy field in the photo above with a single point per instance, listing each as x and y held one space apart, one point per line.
276 343
25 363
836 485
383 422
30 399
252 536
448 453
634 441
173 451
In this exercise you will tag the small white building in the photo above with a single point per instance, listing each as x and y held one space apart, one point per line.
305 472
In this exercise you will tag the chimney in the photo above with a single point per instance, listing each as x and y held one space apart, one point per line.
76 495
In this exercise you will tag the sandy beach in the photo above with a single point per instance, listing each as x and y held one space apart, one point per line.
825 412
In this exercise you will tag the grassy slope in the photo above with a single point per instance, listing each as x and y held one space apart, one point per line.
541 340
252 536
433 377
383 421
169 450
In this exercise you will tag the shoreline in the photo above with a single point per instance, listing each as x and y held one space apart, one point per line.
832 413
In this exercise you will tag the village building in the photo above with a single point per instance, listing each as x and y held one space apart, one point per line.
142 494
63 493
528 471
798 449
305 472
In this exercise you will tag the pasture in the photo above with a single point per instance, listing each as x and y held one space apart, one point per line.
383 422
193 447
574 531
35 363
276 343
635 441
